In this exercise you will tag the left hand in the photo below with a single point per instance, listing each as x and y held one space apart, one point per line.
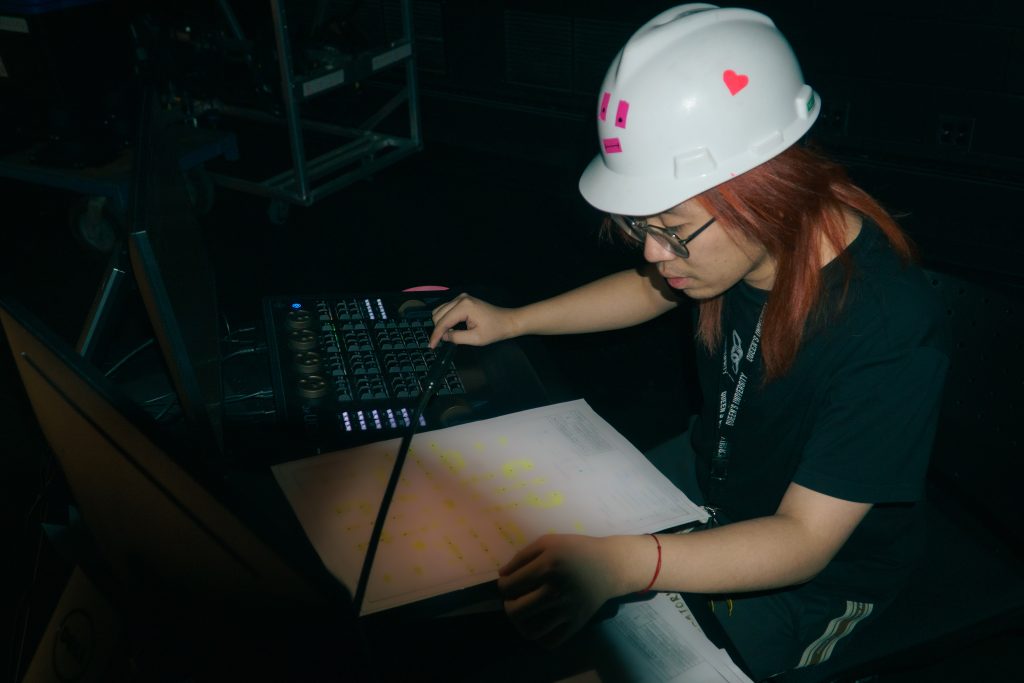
554 585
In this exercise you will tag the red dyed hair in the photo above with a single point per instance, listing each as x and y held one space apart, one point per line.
788 204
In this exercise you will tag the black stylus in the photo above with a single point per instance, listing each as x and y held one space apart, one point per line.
430 383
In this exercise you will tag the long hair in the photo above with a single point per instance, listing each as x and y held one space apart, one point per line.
788 204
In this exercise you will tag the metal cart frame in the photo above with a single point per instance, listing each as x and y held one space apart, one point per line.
364 152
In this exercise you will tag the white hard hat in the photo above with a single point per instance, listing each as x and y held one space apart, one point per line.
697 96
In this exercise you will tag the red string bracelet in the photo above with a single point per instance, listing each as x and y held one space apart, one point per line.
657 567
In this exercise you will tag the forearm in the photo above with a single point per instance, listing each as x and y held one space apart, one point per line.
758 554
561 580
620 300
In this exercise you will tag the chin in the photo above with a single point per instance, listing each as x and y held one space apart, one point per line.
699 293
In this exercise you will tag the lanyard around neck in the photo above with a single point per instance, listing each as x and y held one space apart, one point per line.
735 363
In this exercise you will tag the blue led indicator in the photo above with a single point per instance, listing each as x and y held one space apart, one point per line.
296 306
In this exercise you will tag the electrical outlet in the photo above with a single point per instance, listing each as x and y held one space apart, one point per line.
955 131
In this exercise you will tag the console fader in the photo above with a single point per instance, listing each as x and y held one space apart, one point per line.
349 370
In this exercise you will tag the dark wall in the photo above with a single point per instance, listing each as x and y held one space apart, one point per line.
922 99
928 79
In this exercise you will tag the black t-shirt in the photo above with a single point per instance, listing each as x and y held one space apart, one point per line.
854 418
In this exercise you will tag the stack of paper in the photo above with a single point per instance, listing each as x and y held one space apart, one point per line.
657 641
471 496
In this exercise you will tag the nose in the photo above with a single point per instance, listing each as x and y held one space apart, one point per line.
655 252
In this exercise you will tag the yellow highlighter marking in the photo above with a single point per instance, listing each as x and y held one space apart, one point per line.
512 468
552 499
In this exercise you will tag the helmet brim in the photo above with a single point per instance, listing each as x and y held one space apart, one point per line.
631 195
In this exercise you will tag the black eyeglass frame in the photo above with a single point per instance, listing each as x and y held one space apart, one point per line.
638 229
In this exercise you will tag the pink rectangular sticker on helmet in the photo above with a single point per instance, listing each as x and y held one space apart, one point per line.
621 114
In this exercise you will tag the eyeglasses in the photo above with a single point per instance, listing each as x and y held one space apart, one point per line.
638 229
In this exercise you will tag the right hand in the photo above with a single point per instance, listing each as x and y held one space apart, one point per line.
554 585
485 323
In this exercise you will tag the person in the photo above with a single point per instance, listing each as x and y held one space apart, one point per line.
821 355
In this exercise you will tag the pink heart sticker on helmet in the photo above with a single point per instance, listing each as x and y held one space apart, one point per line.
734 81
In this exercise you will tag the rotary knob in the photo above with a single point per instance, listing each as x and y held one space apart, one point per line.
312 386
301 340
299 319
308 362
